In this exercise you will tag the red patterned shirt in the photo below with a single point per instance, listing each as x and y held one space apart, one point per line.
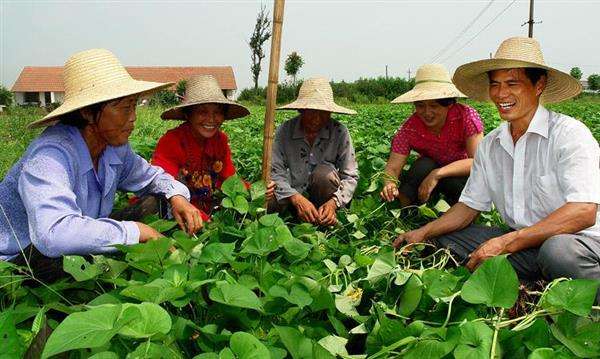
461 123
202 164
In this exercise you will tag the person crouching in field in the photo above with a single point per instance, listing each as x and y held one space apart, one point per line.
197 152
313 162
444 133
57 198
539 168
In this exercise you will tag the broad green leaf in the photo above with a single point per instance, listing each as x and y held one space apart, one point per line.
152 319
233 186
184 241
297 249
270 220
246 346
105 355
297 295
384 265
9 339
235 295
80 269
299 346
426 211
577 296
401 278
439 283
90 329
430 349
475 341
217 253
153 350
176 274
157 291
334 344
257 190
261 243
494 284
347 302
109 267
411 296
579 334
442 206
240 203
283 234
162 225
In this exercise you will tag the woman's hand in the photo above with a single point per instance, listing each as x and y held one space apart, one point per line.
327 215
187 216
147 233
306 210
389 192
270 192
428 185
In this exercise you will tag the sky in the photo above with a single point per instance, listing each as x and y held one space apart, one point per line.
341 40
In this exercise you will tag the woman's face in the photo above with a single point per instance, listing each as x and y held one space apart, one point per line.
431 113
116 121
206 119
314 120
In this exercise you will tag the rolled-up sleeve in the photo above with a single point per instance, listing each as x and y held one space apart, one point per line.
140 177
578 166
476 193
279 166
56 223
347 168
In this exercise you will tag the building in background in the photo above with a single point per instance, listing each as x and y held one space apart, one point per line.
41 86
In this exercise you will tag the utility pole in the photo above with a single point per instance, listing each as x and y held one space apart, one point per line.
386 74
408 74
531 22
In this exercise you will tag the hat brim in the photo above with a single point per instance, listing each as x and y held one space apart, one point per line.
310 105
234 110
98 95
472 79
431 93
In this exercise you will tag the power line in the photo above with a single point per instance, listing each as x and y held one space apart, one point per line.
460 34
480 31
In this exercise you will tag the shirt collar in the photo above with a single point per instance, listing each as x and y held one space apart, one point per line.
324 133
538 125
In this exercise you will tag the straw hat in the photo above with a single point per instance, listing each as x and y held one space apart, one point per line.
515 52
432 82
203 89
95 76
316 94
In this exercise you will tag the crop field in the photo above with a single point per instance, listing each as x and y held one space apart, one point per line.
252 285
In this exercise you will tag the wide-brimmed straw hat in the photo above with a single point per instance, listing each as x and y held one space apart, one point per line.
95 76
515 52
203 89
432 82
316 94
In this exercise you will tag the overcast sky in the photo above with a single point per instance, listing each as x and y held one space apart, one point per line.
337 39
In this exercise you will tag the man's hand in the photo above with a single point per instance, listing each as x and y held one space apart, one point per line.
270 192
327 215
489 249
389 192
411 237
306 210
187 216
147 233
428 185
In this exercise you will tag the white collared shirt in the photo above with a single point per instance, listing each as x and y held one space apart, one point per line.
556 161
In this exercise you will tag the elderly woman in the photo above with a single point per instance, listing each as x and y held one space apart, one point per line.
197 151
443 132
57 198
314 167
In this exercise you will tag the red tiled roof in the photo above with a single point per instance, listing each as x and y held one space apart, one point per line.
42 79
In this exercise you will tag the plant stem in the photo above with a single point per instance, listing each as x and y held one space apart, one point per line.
496 329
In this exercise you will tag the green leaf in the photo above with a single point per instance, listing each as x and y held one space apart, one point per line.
151 319
270 220
384 265
494 284
184 241
214 253
80 269
475 341
246 346
9 339
261 243
577 296
240 203
105 355
579 334
162 225
177 274
411 296
257 190
235 295
439 283
90 329
233 186
426 211
298 345
334 344
442 206
157 291
430 349
153 350
297 249
298 295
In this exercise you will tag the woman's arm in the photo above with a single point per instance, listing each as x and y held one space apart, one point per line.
393 169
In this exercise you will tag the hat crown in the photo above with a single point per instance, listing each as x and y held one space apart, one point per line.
317 86
521 49
95 68
432 73
202 88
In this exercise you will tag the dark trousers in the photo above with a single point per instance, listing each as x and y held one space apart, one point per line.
323 183
450 187
49 270
564 255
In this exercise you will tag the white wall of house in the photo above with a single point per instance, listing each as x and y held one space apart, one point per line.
54 97
58 97
19 98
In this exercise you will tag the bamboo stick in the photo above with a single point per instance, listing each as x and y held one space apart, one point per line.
272 89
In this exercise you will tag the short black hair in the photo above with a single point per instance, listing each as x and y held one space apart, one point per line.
75 118
446 101
534 74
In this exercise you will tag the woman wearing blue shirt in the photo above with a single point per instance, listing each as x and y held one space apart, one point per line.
57 198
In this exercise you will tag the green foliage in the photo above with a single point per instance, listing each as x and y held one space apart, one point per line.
260 34
6 97
576 73
293 63
164 98
180 89
594 82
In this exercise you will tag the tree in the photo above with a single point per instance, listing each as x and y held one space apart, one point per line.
259 36
180 89
576 73
6 97
293 63
594 82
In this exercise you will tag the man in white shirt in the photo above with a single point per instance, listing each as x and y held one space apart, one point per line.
540 169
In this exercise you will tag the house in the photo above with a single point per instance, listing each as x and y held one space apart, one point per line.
40 86
584 84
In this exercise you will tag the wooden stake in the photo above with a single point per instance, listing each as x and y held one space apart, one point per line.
272 89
